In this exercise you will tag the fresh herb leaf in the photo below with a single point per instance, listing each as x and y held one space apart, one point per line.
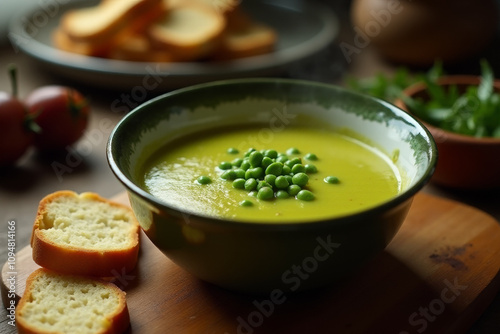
473 112
485 88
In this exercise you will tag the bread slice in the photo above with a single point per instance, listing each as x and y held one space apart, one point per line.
252 40
102 22
190 30
60 304
137 47
84 235
63 42
223 6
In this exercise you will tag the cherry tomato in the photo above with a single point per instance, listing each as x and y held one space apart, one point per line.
62 114
15 138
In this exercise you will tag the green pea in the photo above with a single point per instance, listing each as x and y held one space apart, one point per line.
300 179
282 159
311 156
225 165
237 162
286 170
294 189
298 168
293 162
240 173
253 193
305 195
332 179
250 150
228 175
245 165
257 172
275 168
204 180
255 158
250 184
282 194
246 203
311 169
232 150
265 193
239 183
266 161
271 179
292 150
281 182
289 178
273 154
263 184
248 173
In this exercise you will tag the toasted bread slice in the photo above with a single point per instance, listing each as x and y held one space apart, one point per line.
255 39
190 30
137 47
223 6
237 19
59 304
63 42
102 22
84 235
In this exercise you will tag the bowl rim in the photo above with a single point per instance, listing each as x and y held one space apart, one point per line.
227 223
448 80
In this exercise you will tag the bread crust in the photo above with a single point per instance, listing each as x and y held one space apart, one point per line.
136 9
74 260
194 48
119 320
253 40
62 41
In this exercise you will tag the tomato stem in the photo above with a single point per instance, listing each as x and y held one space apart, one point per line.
13 79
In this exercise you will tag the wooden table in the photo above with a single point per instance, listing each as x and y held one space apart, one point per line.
21 188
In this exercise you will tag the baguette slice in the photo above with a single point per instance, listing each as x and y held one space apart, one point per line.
62 41
85 235
100 23
59 304
253 40
190 30
222 6
137 47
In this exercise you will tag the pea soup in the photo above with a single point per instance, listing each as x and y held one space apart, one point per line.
298 174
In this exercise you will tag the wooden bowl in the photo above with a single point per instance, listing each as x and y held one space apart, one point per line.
464 162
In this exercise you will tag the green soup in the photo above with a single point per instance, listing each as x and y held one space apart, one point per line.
367 177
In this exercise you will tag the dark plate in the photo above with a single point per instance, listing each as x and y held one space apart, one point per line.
303 28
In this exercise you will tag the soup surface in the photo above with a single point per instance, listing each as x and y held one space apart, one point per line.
366 176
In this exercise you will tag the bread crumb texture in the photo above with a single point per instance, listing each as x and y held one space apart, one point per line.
87 223
66 304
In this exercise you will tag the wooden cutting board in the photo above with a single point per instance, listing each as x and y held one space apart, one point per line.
438 275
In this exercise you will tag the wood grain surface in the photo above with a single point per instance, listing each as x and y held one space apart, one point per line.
437 276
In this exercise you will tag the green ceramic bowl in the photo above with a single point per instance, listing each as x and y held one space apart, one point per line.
260 257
